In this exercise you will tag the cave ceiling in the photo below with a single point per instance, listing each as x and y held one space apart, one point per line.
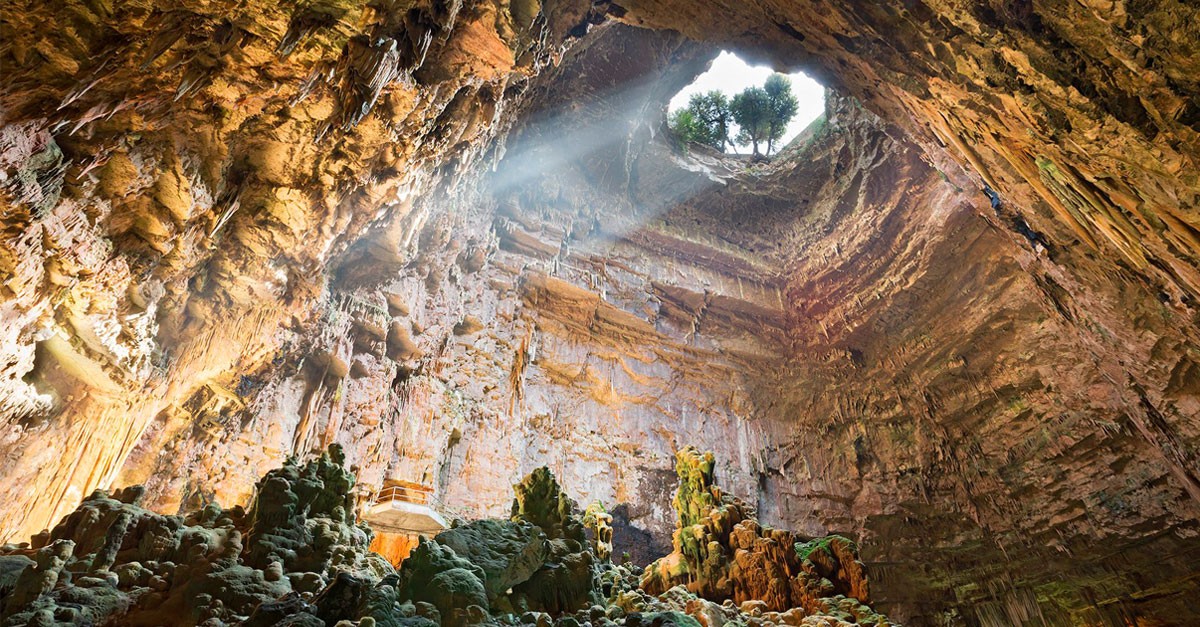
453 237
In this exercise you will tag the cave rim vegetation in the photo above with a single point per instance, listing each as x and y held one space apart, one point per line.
730 74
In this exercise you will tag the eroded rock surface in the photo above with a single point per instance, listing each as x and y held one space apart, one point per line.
305 562
721 552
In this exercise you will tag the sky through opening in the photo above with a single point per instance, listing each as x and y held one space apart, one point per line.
730 74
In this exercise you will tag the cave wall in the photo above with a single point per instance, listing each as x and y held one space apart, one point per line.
914 368
515 336
1085 111
211 262
178 179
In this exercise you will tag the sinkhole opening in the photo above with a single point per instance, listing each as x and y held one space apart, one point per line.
745 109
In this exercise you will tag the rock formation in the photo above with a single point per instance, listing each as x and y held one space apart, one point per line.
113 561
305 561
599 525
723 553
569 579
451 237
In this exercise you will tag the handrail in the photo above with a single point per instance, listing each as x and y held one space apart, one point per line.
408 494
415 494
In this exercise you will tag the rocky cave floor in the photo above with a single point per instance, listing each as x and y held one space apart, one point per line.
299 557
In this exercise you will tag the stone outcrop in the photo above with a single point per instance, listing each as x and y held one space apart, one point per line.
111 560
539 560
509 552
304 561
452 586
450 237
599 526
721 552
569 578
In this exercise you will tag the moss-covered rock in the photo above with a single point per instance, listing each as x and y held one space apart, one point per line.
318 494
508 552
570 578
598 521
566 584
113 561
722 553
696 493
299 559
434 574
540 501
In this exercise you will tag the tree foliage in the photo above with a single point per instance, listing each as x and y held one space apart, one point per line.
751 113
706 120
712 111
686 127
761 115
781 107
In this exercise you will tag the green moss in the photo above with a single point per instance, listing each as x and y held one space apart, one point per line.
435 574
540 500
805 549
507 552
1047 166
815 131
695 495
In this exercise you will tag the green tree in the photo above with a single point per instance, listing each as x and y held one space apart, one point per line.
686 127
706 120
781 107
760 113
752 114
712 110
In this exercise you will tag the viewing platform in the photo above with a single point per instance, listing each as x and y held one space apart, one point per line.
405 507
401 513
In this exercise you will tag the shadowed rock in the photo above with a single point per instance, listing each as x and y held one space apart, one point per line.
304 561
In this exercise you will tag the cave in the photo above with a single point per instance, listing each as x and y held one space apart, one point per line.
264 261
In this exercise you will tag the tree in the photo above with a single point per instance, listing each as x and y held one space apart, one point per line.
781 107
761 114
752 114
705 120
686 127
712 110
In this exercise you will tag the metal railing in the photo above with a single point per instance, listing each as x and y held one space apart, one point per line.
420 495
415 494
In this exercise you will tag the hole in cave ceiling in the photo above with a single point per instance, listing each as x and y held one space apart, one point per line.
730 75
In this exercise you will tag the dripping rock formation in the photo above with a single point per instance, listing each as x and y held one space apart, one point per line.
722 552
455 239
298 557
